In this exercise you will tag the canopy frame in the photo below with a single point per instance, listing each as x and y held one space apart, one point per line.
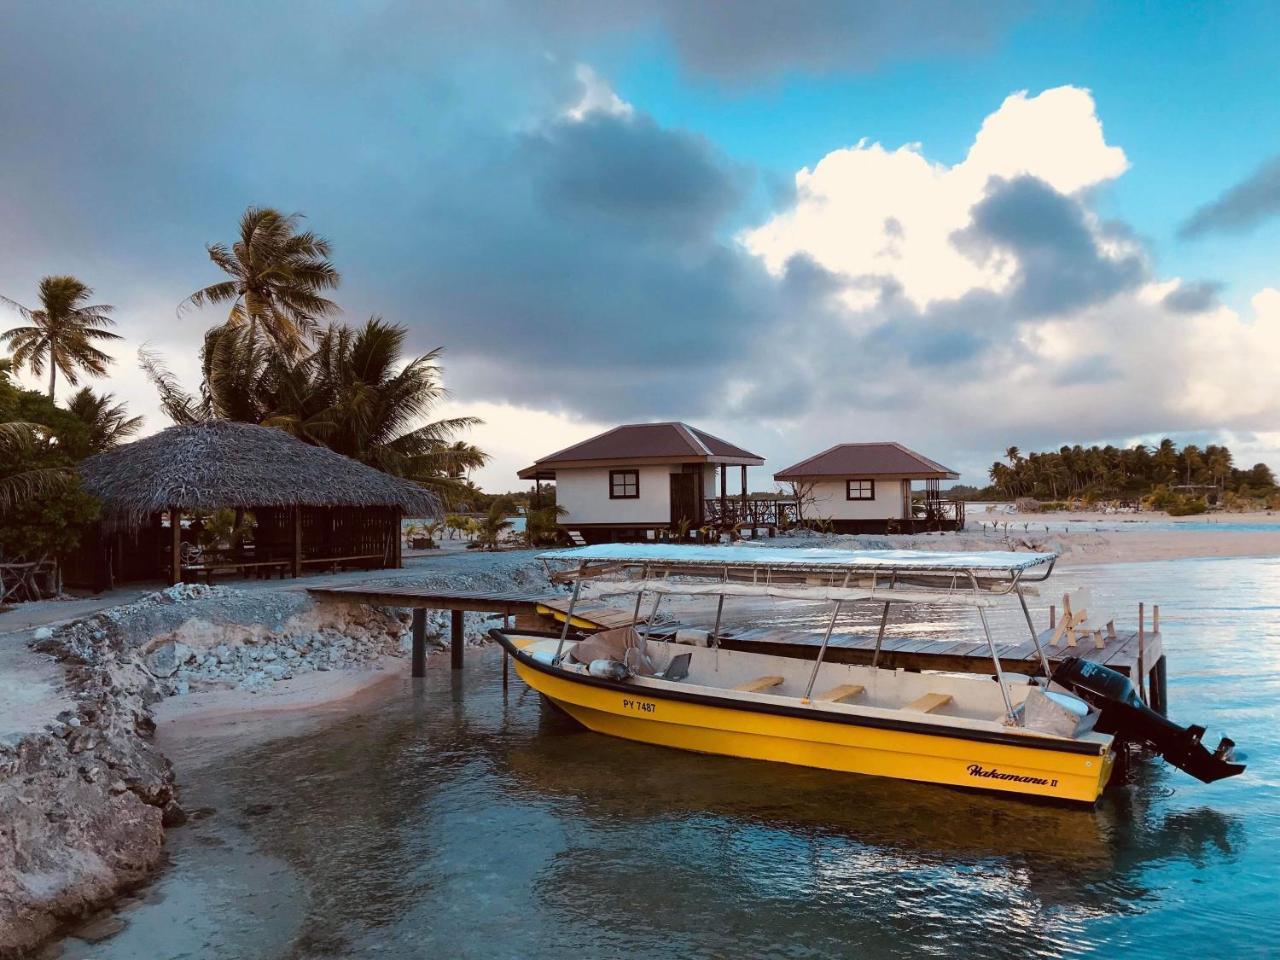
655 569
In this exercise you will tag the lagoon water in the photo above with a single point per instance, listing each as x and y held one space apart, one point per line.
457 819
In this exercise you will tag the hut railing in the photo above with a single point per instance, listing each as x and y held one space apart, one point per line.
758 512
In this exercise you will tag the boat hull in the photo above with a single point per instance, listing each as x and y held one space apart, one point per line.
739 731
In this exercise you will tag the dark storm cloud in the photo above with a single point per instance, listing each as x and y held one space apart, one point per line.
1090 370
1193 297
1060 266
609 170
1242 207
584 265
753 38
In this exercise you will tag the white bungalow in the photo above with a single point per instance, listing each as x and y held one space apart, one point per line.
866 488
639 480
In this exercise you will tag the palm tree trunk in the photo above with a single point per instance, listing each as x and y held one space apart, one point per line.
53 373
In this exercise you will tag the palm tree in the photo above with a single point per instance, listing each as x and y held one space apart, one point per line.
1165 459
375 406
495 524
1192 459
19 439
109 423
277 276
62 332
352 392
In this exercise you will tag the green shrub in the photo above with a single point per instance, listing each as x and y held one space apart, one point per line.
1187 507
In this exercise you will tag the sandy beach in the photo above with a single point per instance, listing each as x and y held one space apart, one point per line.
1084 538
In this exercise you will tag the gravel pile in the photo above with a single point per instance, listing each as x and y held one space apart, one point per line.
85 800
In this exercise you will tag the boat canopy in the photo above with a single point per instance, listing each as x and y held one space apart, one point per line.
982 563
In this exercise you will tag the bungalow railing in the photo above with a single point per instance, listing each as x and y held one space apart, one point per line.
733 511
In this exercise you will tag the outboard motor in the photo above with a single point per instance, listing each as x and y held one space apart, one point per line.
1123 714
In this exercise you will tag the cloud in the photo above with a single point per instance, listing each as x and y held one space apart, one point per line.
1060 263
597 97
582 263
750 39
869 210
991 291
1240 208
1193 297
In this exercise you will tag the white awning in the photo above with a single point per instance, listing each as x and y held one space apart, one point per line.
982 563
962 596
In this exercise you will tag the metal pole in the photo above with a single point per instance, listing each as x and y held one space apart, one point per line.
884 621
826 637
648 624
1035 638
715 630
635 614
991 645
568 618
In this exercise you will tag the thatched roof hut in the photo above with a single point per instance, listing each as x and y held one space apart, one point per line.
208 466
309 506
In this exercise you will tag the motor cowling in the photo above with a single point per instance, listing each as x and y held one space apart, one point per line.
1123 714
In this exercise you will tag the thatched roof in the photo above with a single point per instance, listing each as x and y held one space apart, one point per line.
218 464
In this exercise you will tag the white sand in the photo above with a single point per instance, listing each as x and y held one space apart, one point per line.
1086 538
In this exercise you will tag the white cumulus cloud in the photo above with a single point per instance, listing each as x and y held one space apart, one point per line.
867 210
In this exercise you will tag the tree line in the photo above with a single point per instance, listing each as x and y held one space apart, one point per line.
1127 473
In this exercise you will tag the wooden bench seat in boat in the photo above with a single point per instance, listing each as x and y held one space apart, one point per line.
758 685
929 702
846 691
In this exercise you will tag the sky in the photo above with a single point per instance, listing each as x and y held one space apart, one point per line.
959 226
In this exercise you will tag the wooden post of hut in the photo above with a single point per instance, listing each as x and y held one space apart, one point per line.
724 491
297 542
175 540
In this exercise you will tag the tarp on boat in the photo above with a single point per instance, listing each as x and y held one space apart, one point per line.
980 563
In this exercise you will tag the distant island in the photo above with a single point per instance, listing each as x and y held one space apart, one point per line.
1182 481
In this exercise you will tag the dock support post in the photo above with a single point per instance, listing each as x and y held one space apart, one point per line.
419 643
1160 687
455 639
506 625
1142 652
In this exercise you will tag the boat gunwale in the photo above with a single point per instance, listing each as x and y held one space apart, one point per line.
1032 741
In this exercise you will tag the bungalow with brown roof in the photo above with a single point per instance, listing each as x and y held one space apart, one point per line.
643 480
866 488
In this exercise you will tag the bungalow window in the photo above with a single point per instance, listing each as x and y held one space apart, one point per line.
624 484
860 490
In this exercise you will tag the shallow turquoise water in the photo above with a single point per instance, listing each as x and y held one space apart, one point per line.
459 820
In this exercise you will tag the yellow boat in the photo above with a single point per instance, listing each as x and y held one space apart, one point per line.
1039 739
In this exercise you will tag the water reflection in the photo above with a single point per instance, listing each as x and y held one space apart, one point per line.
460 820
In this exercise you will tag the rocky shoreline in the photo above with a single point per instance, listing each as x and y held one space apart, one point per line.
85 800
